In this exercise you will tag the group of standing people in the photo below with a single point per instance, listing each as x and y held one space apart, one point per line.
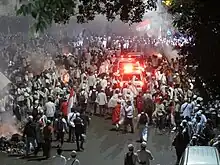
80 81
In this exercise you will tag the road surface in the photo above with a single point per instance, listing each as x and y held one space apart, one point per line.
106 147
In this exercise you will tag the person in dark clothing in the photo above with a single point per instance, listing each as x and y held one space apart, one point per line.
86 120
130 157
149 108
79 130
39 137
178 144
17 113
47 134
29 134
61 128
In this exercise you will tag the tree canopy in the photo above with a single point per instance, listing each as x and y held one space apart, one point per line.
200 21
45 12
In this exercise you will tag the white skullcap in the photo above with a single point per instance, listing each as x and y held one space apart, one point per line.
130 146
143 144
73 153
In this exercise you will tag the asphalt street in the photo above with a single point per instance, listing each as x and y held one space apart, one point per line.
106 147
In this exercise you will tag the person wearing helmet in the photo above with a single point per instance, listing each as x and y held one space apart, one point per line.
144 155
131 157
73 159
47 134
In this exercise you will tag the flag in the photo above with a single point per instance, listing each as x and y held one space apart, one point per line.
70 100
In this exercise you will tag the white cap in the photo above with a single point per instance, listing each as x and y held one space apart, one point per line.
130 146
143 144
73 153
30 117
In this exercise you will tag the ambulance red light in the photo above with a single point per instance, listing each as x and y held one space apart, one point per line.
128 68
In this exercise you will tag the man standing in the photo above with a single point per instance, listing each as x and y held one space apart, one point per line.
144 155
130 157
73 160
30 134
59 159
61 128
102 101
50 109
47 134
71 117
142 123
79 130
129 114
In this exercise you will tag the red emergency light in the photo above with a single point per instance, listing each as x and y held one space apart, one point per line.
128 68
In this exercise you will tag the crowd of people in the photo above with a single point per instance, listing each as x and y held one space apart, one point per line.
58 86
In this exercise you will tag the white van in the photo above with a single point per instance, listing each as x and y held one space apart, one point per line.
200 155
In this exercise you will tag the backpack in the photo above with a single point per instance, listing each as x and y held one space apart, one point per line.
82 98
93 96
47 133
60 125
143 119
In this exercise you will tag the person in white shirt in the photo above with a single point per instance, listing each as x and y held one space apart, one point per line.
144 155
50 109
102 68
202 116
104 83
59 159
129 114
102 101
70 119
73 160
43 118
83 76
91 81
186 109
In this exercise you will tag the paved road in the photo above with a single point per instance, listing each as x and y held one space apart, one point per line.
105 147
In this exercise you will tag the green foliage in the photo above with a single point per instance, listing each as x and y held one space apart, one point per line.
201 21
45 12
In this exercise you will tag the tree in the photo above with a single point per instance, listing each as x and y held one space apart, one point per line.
45 12
200 21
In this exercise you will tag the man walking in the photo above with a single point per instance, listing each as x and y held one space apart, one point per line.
144 155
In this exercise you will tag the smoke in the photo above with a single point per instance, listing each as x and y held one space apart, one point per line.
8 124
169 52
160 21
7 7
160 24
